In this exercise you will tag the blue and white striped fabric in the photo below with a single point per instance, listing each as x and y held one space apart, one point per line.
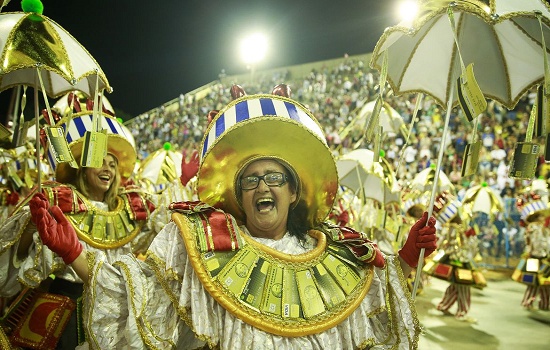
79 124
448 212
532 207
259 106
409 203
26 159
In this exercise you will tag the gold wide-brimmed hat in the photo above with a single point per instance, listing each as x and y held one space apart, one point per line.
120 143
482 198
255 126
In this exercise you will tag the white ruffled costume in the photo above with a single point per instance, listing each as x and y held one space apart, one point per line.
41 262
161 304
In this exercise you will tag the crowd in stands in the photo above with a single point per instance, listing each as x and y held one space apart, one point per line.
335 94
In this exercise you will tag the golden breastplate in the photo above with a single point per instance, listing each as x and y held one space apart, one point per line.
105 229
287 295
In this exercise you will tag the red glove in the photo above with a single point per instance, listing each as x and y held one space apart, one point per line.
12 198
470 232
57 233
189 169
420 236
343 218
36 202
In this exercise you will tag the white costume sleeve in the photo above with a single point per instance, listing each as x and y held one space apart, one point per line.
161 304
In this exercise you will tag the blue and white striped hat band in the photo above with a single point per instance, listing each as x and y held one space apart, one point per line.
448 212
120 143
532 208
261 106
408 204
256 126
31 165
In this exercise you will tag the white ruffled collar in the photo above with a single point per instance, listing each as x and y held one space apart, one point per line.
288 244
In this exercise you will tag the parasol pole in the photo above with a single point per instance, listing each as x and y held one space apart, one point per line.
419 98
17 101
37 134
435 184
40 82
360 180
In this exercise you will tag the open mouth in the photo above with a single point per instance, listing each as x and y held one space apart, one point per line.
105 178
265 204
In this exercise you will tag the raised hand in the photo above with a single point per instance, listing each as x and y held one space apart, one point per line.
56 232
189 169
420 236
38 201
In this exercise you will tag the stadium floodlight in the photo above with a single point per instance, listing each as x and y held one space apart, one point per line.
253 48
408 9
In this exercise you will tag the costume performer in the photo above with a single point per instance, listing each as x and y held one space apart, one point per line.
183 188
369 199
454 261
533 269
237 270
106 218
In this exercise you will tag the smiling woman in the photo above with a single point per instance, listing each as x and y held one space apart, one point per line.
266 204
253 264
95 183
106 216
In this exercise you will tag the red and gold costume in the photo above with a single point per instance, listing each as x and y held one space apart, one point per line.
114 232
533 270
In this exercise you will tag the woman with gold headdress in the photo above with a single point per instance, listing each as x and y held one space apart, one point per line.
253 264
105 216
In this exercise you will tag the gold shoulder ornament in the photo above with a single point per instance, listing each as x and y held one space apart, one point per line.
283 294
100 229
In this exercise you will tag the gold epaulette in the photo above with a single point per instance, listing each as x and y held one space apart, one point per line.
283 294
102 229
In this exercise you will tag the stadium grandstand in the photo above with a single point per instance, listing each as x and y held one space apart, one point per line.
335 91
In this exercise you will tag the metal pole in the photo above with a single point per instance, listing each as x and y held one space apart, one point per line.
434 188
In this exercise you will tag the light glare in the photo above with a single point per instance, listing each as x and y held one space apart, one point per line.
253 48
408 11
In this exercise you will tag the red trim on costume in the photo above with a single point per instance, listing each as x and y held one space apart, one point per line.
218 227
141 207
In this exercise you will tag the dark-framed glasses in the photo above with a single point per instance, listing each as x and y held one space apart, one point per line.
270 179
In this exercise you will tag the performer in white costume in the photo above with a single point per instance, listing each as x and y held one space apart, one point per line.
237 270
106 215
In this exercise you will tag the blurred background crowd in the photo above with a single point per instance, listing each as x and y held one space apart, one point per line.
340 93
337 92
